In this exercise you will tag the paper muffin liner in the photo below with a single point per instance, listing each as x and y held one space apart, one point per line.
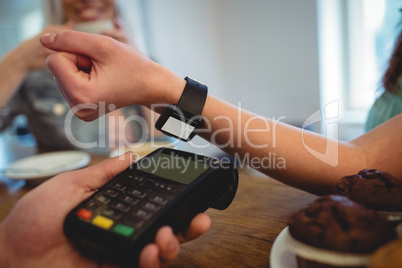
392 215
324 256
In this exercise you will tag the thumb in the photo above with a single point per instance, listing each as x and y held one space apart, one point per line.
99 174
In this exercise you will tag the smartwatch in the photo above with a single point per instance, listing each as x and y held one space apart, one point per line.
184 119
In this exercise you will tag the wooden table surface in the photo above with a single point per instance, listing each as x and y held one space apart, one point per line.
240 236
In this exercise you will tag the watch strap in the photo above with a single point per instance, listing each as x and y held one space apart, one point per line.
194 96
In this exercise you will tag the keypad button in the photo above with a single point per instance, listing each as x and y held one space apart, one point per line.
112 214
93 206
151 206
142 213
158 199
129 199
102 222
119 186
111 192
137 192
103 199
122 207
84 214
123 230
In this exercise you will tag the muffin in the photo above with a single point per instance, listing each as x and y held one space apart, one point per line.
389 256
373 188
335 231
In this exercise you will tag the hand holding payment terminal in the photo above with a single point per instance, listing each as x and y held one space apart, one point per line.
167 187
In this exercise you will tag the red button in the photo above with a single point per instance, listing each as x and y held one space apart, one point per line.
84 214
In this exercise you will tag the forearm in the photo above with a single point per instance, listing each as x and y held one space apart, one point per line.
3 247
280 150
297 157
12 74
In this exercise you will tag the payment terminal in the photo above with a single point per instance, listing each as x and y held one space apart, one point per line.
167 187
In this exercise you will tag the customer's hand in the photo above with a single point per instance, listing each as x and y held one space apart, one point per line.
32 234
95 69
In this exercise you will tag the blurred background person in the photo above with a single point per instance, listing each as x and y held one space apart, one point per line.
28 88
389 103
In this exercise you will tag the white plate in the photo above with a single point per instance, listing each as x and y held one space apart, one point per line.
280 255
46 165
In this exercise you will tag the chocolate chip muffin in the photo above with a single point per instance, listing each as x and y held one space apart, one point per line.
373 188
340 226
337 223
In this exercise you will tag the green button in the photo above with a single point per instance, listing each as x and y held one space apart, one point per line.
123 230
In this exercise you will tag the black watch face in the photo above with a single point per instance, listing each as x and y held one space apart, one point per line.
177 123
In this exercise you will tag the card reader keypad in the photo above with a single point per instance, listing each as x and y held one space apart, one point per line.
127 203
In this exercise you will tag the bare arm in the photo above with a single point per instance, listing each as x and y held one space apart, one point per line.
280 150
12 73
137 80
26 57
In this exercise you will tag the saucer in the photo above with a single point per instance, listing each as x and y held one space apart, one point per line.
46 165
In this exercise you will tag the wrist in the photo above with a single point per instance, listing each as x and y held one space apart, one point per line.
183 120
169 86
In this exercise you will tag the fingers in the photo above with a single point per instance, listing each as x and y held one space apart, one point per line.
65 94
163 251
64 67
67 67
167 243
84 63
199 225
149 257
92 45
67 64
167 247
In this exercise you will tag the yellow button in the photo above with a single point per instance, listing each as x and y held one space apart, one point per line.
102 222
